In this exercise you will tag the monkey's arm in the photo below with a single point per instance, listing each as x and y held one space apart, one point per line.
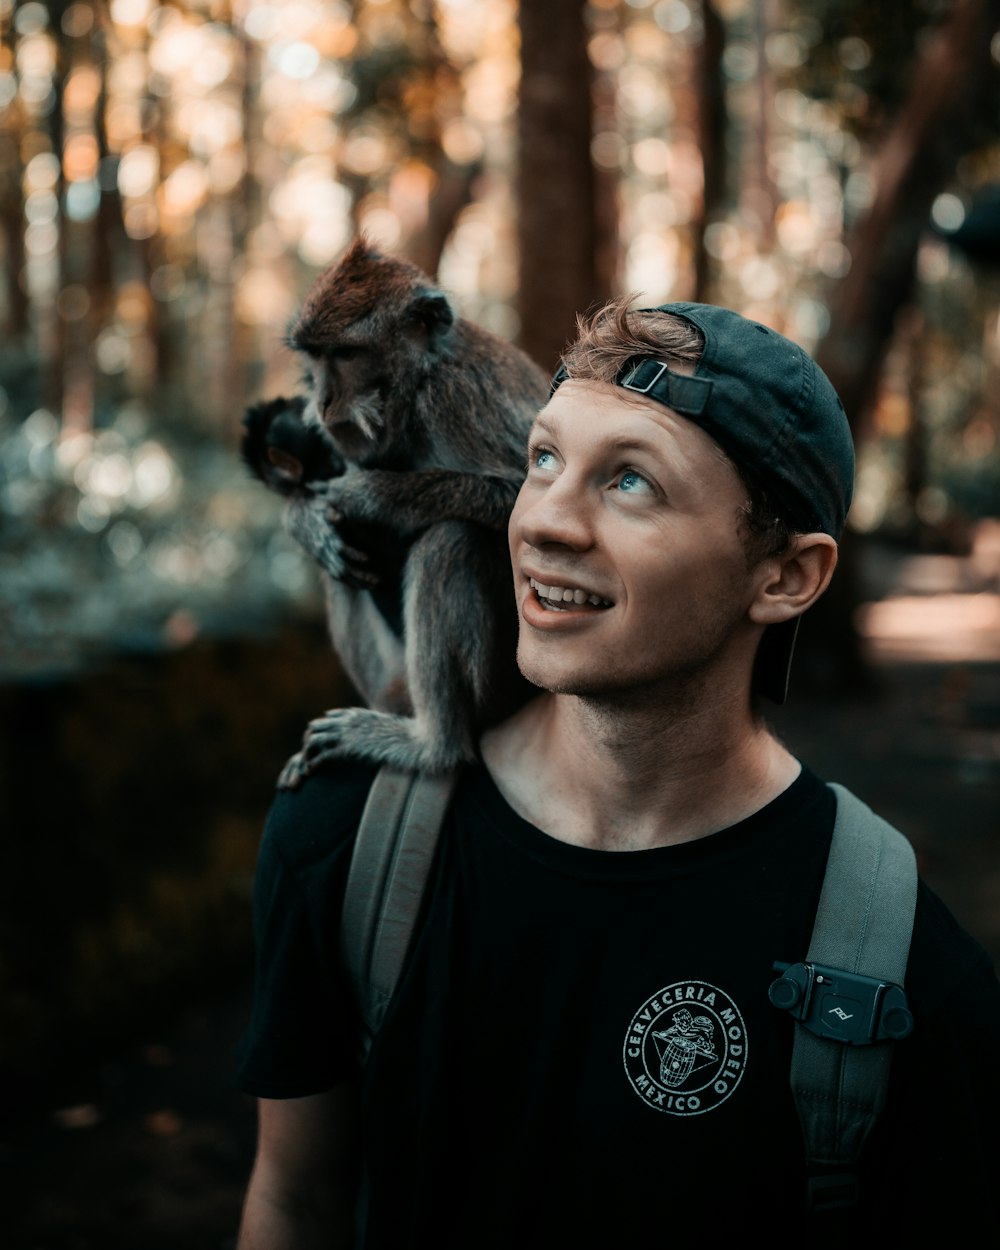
411 501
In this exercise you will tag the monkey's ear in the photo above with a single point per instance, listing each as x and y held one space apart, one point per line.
432 309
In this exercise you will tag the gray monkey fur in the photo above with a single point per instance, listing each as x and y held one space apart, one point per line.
422 420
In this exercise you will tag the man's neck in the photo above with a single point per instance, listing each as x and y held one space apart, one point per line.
617 777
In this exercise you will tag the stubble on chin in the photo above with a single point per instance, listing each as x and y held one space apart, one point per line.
612 689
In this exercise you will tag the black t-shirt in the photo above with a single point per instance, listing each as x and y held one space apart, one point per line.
582 1052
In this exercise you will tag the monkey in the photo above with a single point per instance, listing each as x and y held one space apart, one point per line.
400 464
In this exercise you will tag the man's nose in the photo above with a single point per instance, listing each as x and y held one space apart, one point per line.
558 514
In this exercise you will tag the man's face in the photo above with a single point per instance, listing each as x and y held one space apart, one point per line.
629 570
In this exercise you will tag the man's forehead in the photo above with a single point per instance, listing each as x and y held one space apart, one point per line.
612 414
586 395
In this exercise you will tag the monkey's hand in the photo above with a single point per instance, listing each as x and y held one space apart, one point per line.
310 525
408 502
287 453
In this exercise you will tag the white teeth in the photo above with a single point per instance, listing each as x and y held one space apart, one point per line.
563 594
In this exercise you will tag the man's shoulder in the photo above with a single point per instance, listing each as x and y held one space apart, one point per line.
947 964
320 817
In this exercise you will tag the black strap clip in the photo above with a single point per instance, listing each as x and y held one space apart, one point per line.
842 1005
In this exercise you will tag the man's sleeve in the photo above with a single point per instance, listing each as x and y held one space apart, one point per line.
302 1036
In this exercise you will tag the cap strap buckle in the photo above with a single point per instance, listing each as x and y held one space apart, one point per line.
643 375
687 395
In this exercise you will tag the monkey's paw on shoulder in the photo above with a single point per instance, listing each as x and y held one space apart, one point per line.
378 738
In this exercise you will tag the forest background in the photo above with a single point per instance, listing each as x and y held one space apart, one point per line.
172 176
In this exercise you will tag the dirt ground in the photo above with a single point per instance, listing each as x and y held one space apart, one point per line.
152 1150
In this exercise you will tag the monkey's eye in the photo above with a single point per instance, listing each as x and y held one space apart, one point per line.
345 351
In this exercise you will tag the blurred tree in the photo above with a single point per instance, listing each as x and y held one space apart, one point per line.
410 84
12 226
759 194
910 330
431 99
558 236
109 228
947 103
953 91
710 130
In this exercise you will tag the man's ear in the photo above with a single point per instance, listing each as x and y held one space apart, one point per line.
794 580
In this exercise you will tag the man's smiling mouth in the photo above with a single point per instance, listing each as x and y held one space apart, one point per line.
563 598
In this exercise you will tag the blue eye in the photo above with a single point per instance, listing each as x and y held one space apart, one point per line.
630 481
542 458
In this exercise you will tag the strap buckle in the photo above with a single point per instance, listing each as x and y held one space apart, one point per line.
651 369
845 1006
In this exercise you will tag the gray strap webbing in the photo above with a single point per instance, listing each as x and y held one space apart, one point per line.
863 925
385 883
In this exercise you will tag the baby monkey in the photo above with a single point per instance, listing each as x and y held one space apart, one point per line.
401 464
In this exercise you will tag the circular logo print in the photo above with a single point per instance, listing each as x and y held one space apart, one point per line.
686 1048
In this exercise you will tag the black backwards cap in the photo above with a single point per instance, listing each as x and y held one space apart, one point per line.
775 413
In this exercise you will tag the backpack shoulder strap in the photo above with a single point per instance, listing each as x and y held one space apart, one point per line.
871 870
863 926
389 868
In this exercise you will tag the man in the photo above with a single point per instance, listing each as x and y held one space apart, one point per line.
582 1051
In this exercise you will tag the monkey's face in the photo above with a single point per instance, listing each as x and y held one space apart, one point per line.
344 394
368 334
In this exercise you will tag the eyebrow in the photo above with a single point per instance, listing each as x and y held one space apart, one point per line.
636 444
541 424
622 443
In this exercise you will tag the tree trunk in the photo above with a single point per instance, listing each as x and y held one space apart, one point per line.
12 228
558 234
711 135
759 196
916 159
452 192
